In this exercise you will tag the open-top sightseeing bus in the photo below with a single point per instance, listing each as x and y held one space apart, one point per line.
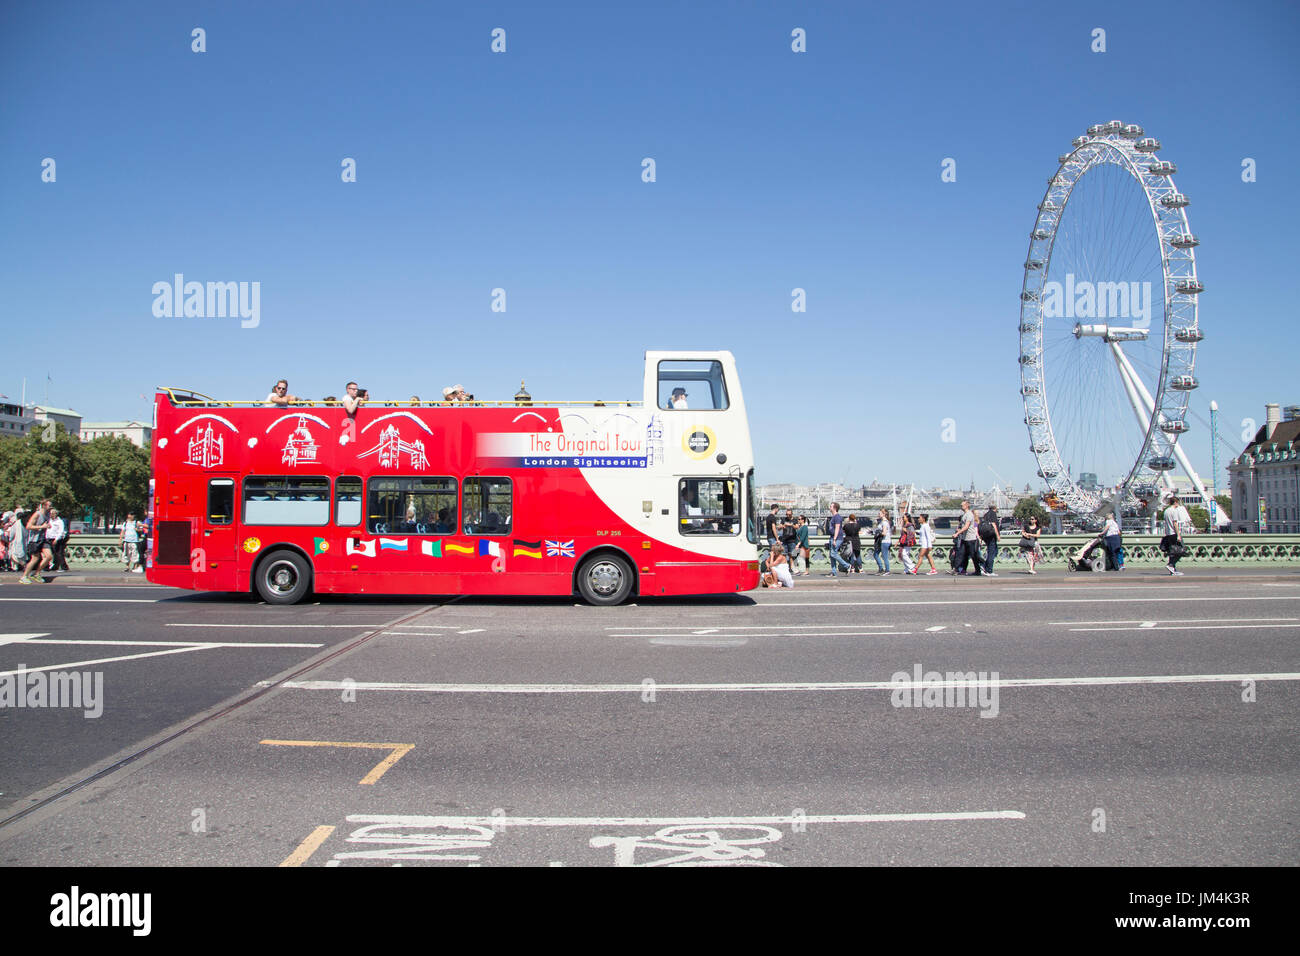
603 499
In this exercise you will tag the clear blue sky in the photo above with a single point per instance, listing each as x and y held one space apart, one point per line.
522 170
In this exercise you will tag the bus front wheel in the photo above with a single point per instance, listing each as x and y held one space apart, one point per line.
283 577
605 580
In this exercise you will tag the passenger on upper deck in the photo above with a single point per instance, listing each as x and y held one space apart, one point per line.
353 399
280 394
456 393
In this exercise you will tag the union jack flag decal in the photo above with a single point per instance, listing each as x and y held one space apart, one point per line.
559 549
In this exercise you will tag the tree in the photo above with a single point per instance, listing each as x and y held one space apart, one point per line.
117 477
1225 505
1030 507
1200 517
947 504
45 464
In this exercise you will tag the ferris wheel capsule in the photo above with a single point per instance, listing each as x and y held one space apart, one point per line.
1185 241
1147 145
1188 287
1175 201
1131 131
1162 168
1175 427
1189 335
1161 463
1184 383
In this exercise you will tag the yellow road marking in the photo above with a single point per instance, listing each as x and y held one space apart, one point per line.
308 846
398 752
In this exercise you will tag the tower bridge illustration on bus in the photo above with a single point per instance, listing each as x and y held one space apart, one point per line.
605 500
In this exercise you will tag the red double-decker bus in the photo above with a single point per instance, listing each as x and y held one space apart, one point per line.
605 500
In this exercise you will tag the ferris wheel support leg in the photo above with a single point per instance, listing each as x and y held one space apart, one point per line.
1143 402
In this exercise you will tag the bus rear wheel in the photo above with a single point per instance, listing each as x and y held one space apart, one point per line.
283 577
605 580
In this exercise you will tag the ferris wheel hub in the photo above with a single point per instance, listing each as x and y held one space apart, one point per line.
1111 333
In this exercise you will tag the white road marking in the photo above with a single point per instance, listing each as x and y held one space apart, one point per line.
1184 620
15 638
332 685
355 627
473 630
698 641
501 822
937 627
72 665
779 634
737 627
964 602
1148 624
198 644
62 600
1188 627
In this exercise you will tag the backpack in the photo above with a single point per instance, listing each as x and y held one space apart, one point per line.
986 530
826 525
908 538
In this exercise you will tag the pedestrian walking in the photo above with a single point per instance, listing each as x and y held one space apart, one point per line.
906 541
801 531
1175 519
883 542
789 536
852 533
1029 545
126 540
966 542
990 533
835 528
925 541
37 524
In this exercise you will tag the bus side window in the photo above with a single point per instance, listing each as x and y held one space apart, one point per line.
707 506
221 501
347 502
489 506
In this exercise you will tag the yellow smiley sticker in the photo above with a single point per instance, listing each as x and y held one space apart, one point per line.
251 545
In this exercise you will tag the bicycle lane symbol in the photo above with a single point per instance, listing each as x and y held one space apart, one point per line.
694 845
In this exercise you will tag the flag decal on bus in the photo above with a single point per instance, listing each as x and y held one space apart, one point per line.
357 546
321 545
559 549
527 549
489 547
393 544
459 547
432 549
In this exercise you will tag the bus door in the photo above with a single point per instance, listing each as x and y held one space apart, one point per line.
215 532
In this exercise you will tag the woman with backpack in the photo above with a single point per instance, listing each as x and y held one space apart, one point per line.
990 534
853 531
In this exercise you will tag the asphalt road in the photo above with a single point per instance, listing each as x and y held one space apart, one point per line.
1085 720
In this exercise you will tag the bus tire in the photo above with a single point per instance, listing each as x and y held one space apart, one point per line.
283 577
605 580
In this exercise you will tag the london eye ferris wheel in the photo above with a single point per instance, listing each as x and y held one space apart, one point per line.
1108 325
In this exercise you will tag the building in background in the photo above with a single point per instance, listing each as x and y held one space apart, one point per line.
15 420
139 433
1265 478
66 417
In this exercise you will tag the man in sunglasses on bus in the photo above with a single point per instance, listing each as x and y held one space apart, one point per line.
280 394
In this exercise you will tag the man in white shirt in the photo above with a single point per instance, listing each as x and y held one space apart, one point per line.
1110 537
53 532
1175 518
280 394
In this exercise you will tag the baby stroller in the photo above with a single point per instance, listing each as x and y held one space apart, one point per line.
1093 556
